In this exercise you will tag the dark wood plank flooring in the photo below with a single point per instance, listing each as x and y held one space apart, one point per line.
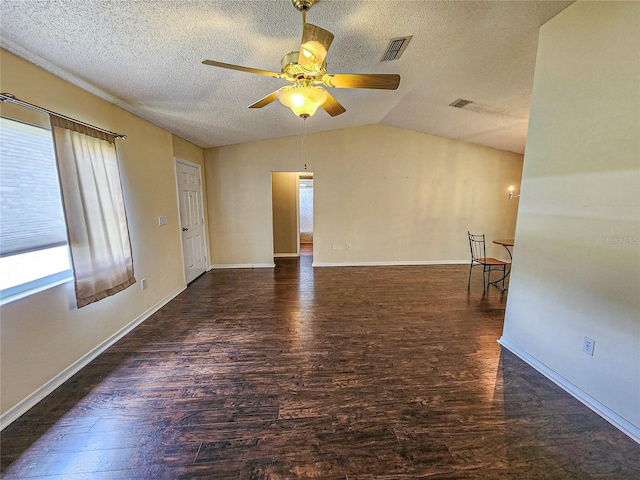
328 373
306 249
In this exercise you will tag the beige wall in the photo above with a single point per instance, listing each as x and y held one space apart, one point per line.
392 194
44 334
284 186
576 269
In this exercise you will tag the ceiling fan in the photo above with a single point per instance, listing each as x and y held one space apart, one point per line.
306 69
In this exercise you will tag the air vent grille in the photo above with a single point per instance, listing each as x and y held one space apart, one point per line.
395 49
460 103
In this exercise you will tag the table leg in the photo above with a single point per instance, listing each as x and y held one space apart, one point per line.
506 272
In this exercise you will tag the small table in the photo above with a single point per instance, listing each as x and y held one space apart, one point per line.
506 243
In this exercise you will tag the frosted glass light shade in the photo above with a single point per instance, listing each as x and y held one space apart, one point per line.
303 100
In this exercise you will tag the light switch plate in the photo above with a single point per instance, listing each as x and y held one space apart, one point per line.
162 220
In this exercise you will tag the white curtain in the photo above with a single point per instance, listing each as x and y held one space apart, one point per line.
94 210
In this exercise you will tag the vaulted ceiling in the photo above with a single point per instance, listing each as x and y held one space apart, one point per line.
145 56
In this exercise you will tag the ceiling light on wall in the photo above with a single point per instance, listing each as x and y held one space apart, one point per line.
511 195
303 99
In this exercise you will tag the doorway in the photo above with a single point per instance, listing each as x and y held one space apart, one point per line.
292 204
189 180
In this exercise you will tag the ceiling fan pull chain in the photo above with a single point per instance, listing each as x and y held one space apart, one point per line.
304 153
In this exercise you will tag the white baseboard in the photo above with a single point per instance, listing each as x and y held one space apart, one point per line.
610 416
390 263
30 401
243 265
285 255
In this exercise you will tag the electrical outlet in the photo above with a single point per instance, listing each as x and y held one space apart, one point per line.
348 246
588 345
143 283
333 247
162 220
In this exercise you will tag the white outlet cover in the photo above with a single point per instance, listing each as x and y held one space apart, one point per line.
588 345
162 220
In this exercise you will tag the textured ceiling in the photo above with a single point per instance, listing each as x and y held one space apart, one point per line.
146 57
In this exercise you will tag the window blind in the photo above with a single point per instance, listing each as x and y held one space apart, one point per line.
31 215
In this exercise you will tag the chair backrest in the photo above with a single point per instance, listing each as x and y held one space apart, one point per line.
477 246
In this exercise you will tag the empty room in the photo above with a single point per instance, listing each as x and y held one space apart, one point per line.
240 239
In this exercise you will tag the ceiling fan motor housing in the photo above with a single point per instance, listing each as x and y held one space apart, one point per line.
289 62
290 67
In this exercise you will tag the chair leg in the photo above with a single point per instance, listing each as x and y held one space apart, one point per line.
484 279
470 267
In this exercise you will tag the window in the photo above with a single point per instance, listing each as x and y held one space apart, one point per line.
33 236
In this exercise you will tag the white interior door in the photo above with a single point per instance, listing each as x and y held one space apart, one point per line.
191 220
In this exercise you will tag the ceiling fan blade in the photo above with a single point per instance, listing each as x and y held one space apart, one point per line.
264 101
332 106
242 69
381 81
315 45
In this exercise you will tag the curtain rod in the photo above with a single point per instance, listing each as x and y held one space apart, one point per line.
7 97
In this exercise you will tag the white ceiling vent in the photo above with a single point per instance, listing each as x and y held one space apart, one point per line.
460 103
396 48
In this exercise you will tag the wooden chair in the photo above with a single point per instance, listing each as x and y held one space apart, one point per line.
479 257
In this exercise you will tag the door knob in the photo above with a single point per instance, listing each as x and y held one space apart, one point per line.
184 229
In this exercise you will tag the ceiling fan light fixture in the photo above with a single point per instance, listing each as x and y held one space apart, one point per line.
303 100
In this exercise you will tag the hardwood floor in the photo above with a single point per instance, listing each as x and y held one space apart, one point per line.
327 373
306 249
